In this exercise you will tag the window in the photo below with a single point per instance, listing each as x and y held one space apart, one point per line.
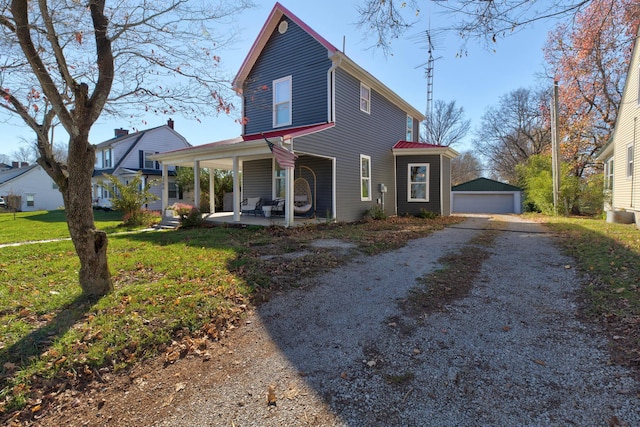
279 179
608 174
409 128
174 191
148 163
418 182
629 161
30 200
106 158
282 102
365 177
365 98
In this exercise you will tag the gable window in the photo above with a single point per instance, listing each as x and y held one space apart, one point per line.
608 174
629 161
409 128
418 182
148 163
365 177
106 158
365 98
282 102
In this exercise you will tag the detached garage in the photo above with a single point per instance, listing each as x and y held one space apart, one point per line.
483 195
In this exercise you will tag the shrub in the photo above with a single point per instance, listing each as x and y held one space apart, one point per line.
190 216
428 214
141 217
376 212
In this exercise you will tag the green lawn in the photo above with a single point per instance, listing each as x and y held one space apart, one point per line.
44 225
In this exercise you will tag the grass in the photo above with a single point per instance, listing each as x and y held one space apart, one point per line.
608 255
45 225
174 290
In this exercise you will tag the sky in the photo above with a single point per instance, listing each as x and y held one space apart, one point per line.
475 81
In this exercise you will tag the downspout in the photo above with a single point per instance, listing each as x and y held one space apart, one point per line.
331 93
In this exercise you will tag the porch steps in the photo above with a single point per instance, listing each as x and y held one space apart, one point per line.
168 223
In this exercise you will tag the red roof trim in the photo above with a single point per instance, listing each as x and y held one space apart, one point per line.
289 132
407 144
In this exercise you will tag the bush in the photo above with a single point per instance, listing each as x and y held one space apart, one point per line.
141 217
376 212
428 214
190 216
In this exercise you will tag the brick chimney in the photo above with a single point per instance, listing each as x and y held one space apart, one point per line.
24 164
15 165
170 123
121 132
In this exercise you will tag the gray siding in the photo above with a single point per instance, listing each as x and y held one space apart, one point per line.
296 54
257 179
446 186
435 197
358 133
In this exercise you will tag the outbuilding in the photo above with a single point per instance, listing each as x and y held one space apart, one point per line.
483 195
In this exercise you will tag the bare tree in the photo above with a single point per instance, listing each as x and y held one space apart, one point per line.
446 124
465 167
517 128
71 61
486 20
25 153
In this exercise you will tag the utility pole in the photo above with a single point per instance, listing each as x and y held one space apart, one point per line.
555 148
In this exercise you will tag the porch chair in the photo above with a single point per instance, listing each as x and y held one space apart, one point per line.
302 196
278 207
251 205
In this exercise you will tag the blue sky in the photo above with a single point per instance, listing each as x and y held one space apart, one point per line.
475 81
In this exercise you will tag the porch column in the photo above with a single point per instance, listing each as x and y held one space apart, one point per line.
288 206
165 187
212 191
196 184
236 190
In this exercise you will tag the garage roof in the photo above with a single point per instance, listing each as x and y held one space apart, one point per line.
485 184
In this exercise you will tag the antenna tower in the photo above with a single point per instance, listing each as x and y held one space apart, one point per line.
430 66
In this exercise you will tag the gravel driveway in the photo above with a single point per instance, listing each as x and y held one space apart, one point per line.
340 352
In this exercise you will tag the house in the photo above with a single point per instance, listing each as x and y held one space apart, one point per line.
483 195
622 153
36 189
350 141
126 154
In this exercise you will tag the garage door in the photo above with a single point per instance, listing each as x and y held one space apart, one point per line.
483 203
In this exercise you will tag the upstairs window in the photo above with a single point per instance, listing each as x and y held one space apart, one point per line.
629 161
418 182
106 158
148 163
365 178
409 128
365 98
282 102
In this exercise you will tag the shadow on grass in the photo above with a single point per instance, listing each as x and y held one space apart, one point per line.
40 339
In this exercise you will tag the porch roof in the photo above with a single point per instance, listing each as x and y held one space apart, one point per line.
220 154
409 148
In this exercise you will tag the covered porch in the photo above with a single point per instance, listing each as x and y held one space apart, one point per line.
256 173
228 218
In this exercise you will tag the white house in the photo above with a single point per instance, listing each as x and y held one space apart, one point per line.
127 154
622 154
35 188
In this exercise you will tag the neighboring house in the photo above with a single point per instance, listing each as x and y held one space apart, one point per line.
36 189
355 140
127 154
483 195
622 153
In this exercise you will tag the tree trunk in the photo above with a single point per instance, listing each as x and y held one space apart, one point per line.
90 244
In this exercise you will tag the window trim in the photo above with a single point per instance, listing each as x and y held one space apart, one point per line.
409 134
608 174
630 161
366 100
289 101
364 198
106 155
30 200
410 183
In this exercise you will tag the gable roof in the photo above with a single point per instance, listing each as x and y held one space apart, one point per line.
8 175
339 58
409 148
485 184
269 26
